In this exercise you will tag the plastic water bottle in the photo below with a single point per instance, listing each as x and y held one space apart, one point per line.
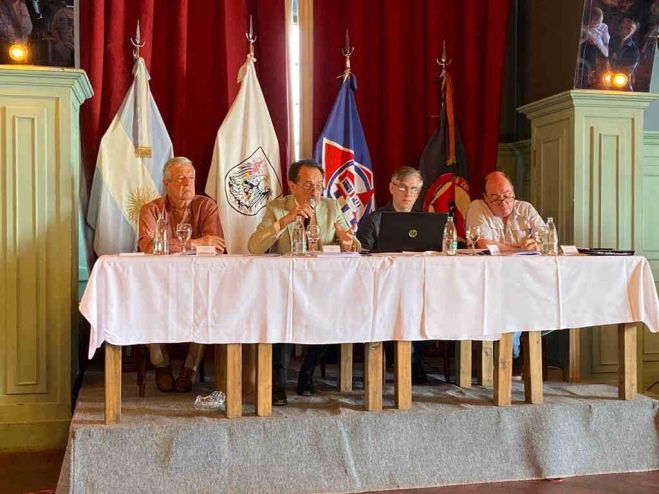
450 243
299 238
552 237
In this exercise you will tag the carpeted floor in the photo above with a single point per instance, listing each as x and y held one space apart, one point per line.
327 443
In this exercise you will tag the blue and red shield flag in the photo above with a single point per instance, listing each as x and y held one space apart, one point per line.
342 151
443 166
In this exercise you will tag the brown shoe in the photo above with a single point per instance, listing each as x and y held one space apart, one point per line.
183 382
165 379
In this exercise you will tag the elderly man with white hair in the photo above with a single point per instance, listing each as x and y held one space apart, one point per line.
180 204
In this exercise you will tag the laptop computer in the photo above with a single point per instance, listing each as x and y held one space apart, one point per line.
414 232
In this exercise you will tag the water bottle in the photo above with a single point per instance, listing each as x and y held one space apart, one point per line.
299 238
161 236
552 237
450 243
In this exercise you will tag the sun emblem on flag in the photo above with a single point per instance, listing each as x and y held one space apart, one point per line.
248 185
137 198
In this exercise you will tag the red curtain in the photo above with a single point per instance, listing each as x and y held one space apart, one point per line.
193 50
396 44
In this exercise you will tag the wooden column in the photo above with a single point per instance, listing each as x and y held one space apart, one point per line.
344 377
573 370
112 383
234 404
373 376
532 350
463 363
627 371
264 379
485 364
503 370
219 365
403 375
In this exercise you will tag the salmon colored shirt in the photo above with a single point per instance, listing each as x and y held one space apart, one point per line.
201 213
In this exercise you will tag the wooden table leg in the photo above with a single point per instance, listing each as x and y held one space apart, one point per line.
463 363
220 368
344 378
573 356
234 403
264 379
532 350
486 364
403 374
249 369
627 371
503 370
112 383
373 376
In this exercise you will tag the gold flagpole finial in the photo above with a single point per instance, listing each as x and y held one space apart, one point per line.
347 51
444 61
137 42
251 37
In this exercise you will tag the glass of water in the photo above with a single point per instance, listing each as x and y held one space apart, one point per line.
473 235
313 237
184 233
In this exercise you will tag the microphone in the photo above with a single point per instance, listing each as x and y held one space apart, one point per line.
312 203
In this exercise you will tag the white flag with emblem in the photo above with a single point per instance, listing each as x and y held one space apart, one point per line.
245 172
129 166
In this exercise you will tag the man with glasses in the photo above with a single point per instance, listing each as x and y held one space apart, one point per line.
503 220
506 222
180 204
274 234
404 187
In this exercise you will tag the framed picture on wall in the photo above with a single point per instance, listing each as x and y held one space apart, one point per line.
617 44
46 26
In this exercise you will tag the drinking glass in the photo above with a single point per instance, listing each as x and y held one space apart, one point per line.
183 233
313 236
473 234
540 236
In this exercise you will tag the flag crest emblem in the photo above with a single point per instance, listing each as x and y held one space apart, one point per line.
247 185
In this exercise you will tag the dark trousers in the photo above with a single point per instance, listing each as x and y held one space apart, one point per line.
281 356
313 355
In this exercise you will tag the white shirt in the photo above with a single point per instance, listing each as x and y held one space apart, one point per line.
523 220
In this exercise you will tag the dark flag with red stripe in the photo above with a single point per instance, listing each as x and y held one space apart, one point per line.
443 165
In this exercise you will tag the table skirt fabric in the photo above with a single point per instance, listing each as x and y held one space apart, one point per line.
310 300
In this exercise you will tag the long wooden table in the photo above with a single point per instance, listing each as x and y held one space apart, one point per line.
493 297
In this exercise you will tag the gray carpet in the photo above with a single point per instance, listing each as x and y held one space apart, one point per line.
326 443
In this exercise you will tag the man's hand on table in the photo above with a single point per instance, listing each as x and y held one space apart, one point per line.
215 240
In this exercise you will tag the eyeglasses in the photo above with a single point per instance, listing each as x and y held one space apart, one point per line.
310 186
496 199
402 188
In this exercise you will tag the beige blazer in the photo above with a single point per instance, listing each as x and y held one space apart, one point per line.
265 239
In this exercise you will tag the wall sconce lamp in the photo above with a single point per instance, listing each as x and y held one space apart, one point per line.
19 52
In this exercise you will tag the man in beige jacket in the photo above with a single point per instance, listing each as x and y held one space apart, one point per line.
274 234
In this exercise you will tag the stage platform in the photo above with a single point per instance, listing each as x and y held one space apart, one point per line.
328 443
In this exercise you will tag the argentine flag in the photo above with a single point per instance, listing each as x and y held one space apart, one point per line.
129 166
245 171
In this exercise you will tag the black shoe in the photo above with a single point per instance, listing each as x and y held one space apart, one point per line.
279 398
419 375
305 385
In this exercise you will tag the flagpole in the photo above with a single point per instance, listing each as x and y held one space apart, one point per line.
137 42
347 51
251 37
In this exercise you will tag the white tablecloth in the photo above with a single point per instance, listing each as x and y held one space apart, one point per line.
231 299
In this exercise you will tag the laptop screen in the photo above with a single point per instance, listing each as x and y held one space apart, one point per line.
415 232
